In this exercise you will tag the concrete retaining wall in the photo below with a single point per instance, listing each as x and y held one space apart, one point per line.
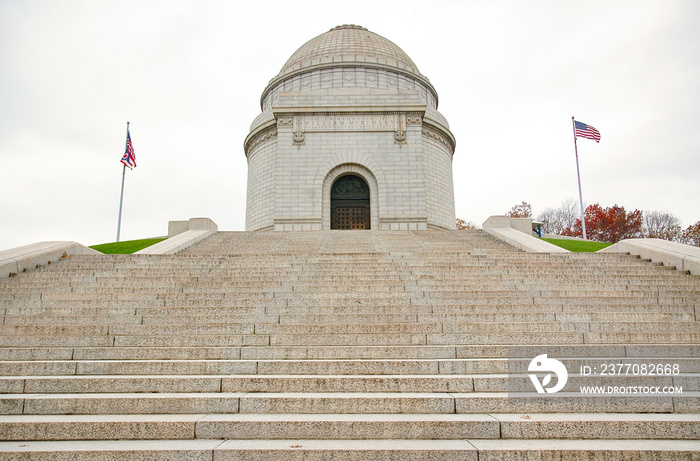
684 257
182 234
28 257
518 232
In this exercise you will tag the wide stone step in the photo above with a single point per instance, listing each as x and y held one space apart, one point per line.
441 278
181 266
352 328
56 341
472 403
119 353
231 383
164 341
120 403
445 427
482 351
155 297
620 317
347 352
340 403
72 320
626 334
261 367
689 382
129 310
354 450
357 427
96 427
54 330
289 318
344 306
127 367
559 321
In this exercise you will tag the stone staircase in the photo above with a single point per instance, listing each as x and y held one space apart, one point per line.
346 345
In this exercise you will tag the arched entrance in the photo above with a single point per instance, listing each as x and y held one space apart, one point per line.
350 203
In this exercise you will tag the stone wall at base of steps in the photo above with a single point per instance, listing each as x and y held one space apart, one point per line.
517 232
683 257
21 259
182 235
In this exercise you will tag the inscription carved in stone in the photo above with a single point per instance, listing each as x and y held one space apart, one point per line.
350 123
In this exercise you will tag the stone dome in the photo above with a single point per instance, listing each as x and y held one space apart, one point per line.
349 43
349 47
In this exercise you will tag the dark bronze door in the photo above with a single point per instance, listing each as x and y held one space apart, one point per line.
350 217
350 203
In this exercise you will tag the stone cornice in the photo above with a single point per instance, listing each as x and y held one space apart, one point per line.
414 116
258 136
288 111
439 134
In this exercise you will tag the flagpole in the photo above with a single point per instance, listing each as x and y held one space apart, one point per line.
578 173
121 197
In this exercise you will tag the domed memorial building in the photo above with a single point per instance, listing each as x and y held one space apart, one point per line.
349 138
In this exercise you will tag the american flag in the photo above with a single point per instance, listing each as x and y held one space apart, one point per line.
582 130
129 159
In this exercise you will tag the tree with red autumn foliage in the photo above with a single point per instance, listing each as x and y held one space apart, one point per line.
524 210
462 224
691 236
610 224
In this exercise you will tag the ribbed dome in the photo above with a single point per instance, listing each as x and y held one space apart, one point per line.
349 43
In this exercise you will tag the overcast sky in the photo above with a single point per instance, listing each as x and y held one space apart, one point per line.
188 76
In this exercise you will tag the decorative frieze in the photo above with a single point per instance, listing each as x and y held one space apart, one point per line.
439 137
261 138
396 123
321 123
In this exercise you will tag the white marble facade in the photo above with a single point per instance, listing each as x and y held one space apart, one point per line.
349 102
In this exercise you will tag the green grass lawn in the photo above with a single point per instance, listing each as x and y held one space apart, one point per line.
577 246
125 248
130 246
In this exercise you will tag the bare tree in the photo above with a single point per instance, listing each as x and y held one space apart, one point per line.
548 220
556 220
568 213
662 225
